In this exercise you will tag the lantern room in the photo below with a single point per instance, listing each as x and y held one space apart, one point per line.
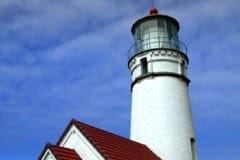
156 31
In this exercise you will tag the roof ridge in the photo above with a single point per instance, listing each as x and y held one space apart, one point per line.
108 132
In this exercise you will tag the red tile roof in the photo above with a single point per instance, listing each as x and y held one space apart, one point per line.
61 153
111 146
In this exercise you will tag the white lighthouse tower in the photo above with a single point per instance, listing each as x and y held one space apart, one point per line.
161 114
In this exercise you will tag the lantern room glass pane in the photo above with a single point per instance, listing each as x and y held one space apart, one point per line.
149 31
173 36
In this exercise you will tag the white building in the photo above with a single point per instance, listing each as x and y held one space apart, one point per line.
161 119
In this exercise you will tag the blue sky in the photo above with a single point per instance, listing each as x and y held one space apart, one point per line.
64 59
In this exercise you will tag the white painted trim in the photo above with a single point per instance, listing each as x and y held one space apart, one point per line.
83 147
47 153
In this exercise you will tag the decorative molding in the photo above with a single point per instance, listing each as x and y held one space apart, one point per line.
134 63
152 61
161 51
164 53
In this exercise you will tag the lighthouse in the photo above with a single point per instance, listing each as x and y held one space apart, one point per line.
161 116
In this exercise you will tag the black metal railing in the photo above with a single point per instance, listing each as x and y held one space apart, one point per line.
155 43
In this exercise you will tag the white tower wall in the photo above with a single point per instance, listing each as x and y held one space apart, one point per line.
161 114
161 117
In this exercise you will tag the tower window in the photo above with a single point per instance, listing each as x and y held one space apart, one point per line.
144 65
182 65
193 149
